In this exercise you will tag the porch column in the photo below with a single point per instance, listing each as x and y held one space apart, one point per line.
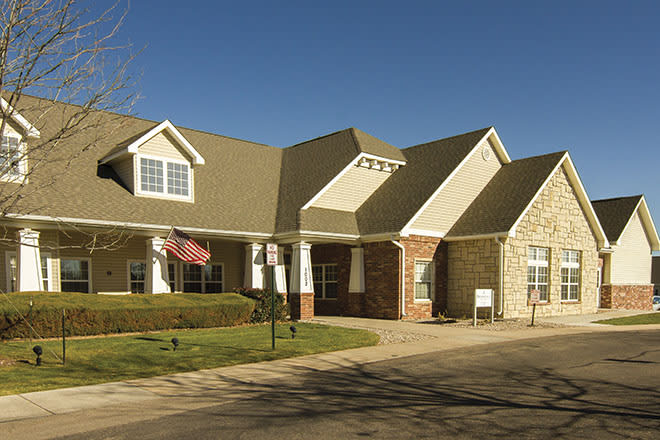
280 273
301 295
254 266
28 262
356 282
157 279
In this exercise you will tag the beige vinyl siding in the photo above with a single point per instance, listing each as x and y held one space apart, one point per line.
232 255
352 189
631 260
163 145
460 191
126 171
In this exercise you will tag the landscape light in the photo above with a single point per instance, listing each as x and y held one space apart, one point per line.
175 342
293 331
38 351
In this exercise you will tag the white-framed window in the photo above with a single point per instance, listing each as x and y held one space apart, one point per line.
12 158
325 281
203 279
75 274
164 177
570 275
538 271
46 271
137 271
171 272
423 280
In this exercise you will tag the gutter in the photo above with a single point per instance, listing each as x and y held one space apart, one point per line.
501 274
403 275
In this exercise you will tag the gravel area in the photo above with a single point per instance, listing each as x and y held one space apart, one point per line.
498 325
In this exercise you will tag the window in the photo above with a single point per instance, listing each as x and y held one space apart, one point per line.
423 280
537 271
154 173
136 275
325 281
46 270
202 279
171 272
74 275
570 275
10 157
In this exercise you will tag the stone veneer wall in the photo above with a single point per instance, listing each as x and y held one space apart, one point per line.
555 221
626 296
472 264
340 255
425 248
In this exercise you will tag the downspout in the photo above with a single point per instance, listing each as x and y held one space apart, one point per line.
501 275
403 275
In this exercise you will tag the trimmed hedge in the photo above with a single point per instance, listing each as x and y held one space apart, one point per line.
262 307
89 314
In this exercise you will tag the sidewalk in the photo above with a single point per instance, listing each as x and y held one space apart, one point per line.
226 379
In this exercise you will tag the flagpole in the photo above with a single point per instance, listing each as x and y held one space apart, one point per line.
168 236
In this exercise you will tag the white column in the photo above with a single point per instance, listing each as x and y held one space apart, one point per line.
254 266
28 261
280 272
157 279
301 269
356 282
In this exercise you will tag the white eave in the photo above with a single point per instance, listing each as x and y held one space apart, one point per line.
166 125
30 130
645 216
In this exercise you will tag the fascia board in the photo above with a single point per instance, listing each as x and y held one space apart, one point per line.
647 221
497 143
30 130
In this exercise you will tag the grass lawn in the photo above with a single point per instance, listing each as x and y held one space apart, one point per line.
108 359
648 318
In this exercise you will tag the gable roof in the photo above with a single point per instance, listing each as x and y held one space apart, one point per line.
503 203
30 130
616 213
405 193
131 145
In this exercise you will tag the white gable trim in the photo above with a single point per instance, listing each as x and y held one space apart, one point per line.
574 179
647 221
346 169
166 125
501 153
30 130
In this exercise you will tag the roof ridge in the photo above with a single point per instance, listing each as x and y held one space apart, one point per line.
562 152
447 138
617 198
317 138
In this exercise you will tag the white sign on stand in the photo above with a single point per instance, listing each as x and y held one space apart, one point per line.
483 298
271 254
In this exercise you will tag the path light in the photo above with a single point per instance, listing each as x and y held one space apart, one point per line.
293 331
175 342
38 351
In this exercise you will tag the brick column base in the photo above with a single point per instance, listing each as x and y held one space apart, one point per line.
302 306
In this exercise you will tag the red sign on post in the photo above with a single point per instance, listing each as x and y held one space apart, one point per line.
271 254
534 296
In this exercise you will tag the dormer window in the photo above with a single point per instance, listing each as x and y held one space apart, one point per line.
11 158
155 172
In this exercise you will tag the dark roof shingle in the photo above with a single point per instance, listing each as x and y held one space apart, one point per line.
615 213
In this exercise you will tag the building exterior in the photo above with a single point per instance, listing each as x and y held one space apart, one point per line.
626 270
364 228
655 275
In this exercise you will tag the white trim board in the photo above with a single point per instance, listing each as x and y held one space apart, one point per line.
30 130
647 221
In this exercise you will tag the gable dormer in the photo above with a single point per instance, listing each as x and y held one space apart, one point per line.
157 163
13 147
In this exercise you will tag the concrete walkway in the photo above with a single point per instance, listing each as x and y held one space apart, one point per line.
224 380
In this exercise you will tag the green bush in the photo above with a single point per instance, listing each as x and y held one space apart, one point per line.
88 314
262 307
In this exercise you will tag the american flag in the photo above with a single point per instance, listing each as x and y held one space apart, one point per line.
184 247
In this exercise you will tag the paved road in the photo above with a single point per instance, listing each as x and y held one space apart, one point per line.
601 385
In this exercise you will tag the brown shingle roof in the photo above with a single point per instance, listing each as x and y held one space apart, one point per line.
406 191
500 204
615 213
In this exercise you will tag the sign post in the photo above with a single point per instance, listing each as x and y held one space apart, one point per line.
483 298
271 260
534 298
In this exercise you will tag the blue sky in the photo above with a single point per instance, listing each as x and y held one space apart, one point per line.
549 76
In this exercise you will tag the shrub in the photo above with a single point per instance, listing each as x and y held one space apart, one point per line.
262 307
88 314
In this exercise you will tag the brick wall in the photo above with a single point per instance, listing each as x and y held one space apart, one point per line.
425 248
626 296
382 283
